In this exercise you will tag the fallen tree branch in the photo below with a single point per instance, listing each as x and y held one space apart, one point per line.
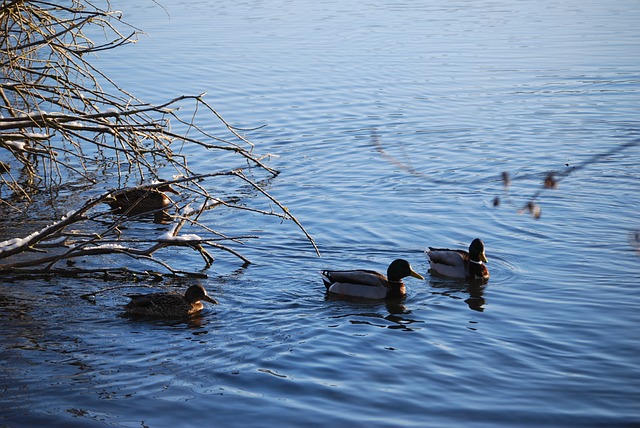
62 120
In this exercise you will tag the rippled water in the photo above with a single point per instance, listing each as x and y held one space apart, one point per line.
392 123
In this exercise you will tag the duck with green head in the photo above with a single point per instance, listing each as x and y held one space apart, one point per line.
459 263
168 304
370 284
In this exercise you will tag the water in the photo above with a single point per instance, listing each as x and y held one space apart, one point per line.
392 124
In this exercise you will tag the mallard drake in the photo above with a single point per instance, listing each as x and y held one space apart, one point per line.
370 284
136 201
168 304
459 263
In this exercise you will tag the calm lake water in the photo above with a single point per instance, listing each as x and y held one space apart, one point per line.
392 123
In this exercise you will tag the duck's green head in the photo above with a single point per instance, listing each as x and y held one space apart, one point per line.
196 293
476 251
399 269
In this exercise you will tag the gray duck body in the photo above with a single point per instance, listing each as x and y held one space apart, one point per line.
459 264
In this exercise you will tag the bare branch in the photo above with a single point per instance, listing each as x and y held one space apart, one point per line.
62 120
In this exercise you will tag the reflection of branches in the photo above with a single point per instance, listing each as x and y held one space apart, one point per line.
634 239
553 178
549 179
375 139
58 124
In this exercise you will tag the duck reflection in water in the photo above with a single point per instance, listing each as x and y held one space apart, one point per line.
476 300
366 312
395 307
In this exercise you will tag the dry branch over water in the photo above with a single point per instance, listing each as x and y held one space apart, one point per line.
65 124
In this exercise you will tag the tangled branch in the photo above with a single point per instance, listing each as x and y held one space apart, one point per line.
62 120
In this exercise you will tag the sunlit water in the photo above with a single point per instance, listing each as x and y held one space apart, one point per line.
392 123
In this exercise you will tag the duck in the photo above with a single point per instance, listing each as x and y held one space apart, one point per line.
4 167
169 304
370 284
136 201
459 264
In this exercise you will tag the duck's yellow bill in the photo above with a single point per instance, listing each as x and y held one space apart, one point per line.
416 274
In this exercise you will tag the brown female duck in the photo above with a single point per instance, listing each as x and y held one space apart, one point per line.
136 201
167 304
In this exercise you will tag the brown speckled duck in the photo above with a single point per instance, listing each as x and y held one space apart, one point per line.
370 284
136 201
168 304
459 263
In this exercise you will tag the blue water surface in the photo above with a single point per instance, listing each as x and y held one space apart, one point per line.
391 124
